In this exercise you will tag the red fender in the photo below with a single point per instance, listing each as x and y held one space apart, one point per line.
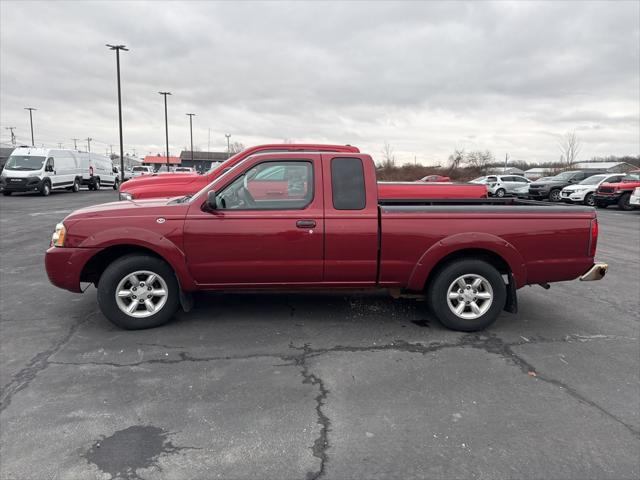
463 241
158 244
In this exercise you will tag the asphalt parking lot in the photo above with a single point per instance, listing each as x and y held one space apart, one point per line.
306 386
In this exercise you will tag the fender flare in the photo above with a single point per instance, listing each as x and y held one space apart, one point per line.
158 244
464 241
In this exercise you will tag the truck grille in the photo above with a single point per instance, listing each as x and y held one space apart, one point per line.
15 181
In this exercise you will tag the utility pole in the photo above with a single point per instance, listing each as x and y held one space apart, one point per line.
75 143
166 124
191 115
31 109
506 160
13 136
89 144
228 135
117 48
60 145
209 144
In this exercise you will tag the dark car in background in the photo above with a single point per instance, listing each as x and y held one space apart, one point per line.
551 188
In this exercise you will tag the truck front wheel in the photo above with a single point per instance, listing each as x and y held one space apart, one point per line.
467 295
138 291
623 203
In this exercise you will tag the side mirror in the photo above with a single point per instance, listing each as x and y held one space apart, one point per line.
49 168
212 203
115 170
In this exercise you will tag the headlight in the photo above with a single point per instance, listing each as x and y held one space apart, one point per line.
125 196
57 240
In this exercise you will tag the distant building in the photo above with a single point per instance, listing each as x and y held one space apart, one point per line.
159 161
202 161
129 162
506 171
535 173
606 167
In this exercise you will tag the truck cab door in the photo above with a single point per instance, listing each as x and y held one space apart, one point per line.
255 237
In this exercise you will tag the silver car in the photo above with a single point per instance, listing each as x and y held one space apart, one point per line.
501 185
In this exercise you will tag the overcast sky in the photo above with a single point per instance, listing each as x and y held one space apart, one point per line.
425 77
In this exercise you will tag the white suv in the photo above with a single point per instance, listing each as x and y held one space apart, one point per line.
139 170
583 191
501 185
634 201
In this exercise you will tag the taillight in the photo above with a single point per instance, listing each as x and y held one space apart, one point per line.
593 242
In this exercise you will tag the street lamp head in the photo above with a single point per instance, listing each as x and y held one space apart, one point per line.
30 108
191 114
164 93
117 47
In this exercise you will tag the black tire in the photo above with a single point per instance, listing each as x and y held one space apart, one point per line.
589 200
439 291
554 195
45 190
6 194
116 184
96 184
118 270
500 192
623 202
76 186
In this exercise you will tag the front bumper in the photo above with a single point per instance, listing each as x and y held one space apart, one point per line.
64 266
539 194
606 199
573 197
634 201
20 184
596 272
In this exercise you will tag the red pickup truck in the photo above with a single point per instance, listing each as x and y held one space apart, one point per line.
324 228
171 185
618 193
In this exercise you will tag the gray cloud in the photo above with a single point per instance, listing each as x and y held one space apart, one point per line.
425 76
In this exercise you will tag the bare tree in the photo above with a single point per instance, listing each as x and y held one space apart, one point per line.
570 147
236 147
456 159
388 155
479 160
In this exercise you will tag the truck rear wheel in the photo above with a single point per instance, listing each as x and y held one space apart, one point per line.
467 295
138 291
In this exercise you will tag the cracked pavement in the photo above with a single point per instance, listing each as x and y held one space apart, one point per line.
308 386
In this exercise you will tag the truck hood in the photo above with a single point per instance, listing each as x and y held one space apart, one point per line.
153 206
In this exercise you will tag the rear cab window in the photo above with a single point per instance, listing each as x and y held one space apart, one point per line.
348 184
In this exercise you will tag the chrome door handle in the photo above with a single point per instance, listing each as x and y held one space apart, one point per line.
306 223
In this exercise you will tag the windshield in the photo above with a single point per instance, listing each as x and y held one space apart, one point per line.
24 162
596 179
231 171
564 176
479 180
631 177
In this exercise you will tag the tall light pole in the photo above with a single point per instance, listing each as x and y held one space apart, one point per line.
191 115
31 109
89 144
117 48
228 135
166 124
75 143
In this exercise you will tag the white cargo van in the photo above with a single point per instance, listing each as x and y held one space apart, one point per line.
98 171
30 169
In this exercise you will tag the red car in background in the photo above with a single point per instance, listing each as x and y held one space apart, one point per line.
435 178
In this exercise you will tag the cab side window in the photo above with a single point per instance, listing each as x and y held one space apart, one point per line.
50 165
272 185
